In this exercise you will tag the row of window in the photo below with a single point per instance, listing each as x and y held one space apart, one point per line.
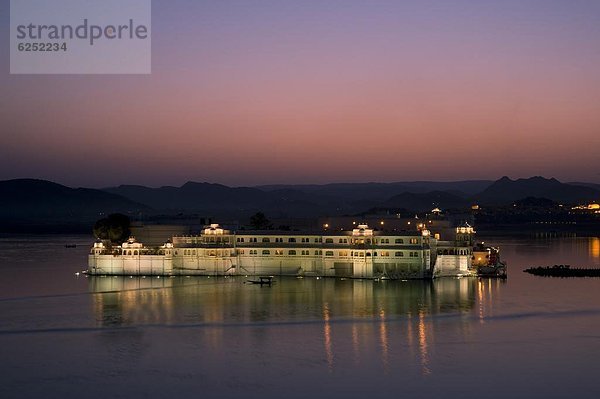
279 239
327 240
279 252
216 239
210 252
454 252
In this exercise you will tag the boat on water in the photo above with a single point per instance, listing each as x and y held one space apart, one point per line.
486 262
498 270
262 280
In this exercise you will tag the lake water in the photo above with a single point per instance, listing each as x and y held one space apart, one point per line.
63 335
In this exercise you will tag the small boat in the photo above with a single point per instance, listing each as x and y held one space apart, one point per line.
262 280
70 245
497 270
487 263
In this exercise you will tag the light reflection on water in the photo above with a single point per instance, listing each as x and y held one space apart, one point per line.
396 314
107 336
137 300
594 247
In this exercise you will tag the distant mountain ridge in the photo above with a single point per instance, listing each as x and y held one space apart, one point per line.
341 198
427 201
506 190
30 200
386 190
287 200
217 199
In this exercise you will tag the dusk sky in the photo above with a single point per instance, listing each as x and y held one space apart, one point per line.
259 92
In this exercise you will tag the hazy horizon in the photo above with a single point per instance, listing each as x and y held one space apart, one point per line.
179 184
266 92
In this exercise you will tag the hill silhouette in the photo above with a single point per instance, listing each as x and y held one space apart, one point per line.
26 203
427 201
505 190
31 202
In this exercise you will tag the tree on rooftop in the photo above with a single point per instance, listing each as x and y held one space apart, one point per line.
259 221
115 228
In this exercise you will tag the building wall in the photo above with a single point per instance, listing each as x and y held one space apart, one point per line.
451 265
345 255
130 265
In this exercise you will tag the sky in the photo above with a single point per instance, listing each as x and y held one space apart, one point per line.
301 91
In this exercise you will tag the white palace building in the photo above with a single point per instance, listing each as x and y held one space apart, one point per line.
358 253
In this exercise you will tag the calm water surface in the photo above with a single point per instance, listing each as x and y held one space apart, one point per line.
65 336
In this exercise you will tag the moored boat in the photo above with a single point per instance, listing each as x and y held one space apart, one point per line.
486 262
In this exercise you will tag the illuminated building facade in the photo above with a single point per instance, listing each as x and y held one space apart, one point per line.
358 253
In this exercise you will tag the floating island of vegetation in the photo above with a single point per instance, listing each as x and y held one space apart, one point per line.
563 271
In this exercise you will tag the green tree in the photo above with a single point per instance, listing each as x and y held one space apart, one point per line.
259 221
115 227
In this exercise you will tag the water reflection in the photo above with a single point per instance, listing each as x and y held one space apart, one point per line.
131 301
356 315
595 248
423 344
124 301
486 289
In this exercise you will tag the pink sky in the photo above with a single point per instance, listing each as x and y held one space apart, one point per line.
285 92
